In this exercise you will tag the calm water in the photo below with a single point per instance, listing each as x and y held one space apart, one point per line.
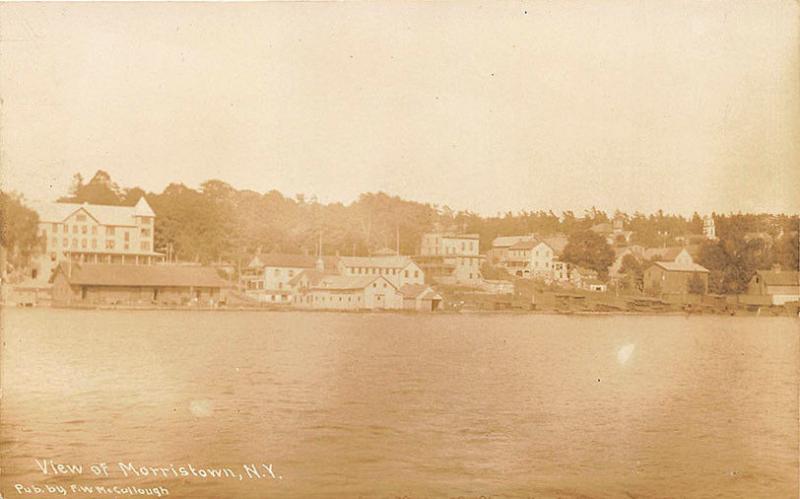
389 405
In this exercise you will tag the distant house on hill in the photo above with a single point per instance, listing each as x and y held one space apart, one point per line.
530 259
613 231
779 285
84 283
501 245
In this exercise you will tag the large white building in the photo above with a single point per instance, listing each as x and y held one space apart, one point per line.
398 270
452 258
350 292
91 233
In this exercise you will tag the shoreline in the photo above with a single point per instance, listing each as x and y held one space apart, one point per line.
545 312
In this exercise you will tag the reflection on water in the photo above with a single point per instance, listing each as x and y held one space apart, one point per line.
386 405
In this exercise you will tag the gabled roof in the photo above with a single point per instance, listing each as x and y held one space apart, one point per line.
681 267
453 235
414 290
780 278
557 242
313 276
529 244
507 241
142 208
346 282
390 262
141 275
103 214
295 261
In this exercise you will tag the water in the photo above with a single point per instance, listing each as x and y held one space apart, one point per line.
393 405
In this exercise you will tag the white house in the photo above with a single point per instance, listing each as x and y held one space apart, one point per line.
530 259
399 270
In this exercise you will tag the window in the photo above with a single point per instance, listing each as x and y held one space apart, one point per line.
109 230
109 244
84 229
405 274
81 217
65 229
374 284
291 273
55 227
416 273
94 230
127 246
74 243
145 245
84 243
65 242
94 243
74 229
127 236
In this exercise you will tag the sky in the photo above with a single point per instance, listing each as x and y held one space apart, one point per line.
485 106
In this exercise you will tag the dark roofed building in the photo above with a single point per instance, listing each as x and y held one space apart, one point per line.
136 284
420 297
780 286
674 277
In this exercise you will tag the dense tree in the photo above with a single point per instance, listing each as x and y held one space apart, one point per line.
633 271
218 222
19 230
99 190
589 250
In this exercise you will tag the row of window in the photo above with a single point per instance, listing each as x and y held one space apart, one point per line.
85 229
85 243
318 298
380 271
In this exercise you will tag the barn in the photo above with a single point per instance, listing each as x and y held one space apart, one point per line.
98 284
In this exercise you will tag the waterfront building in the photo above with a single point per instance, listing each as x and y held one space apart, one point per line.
673 277
451 258
90 233
267 277
350 292
118 284
776 285
399 270
420 297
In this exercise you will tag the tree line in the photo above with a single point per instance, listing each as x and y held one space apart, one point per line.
217 222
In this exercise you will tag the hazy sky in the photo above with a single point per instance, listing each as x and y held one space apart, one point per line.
484 106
